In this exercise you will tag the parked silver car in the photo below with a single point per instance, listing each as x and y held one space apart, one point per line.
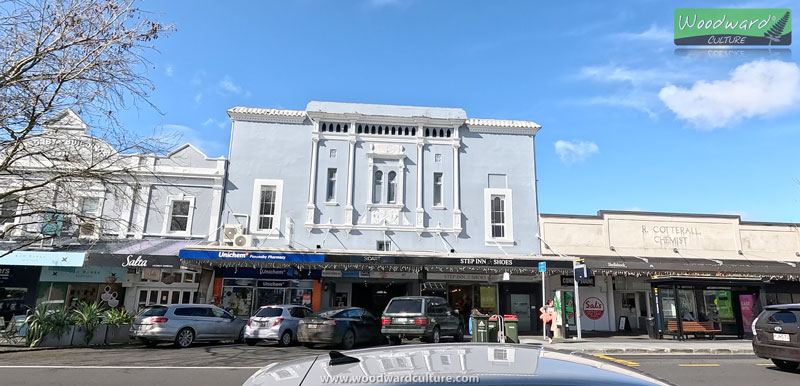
275 323
184 324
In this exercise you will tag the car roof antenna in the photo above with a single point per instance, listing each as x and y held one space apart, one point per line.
338 358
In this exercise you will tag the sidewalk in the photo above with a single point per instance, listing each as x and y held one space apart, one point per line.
642 344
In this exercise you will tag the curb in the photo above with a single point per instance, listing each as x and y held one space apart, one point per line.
28 349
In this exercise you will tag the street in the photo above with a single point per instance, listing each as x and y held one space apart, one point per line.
232 364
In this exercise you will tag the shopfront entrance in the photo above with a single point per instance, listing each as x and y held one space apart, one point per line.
375 296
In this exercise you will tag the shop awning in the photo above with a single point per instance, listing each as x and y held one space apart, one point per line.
132 261
635 265
42 258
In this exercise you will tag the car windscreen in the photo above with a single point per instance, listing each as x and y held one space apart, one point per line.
404 306
269 312
327 313
154 311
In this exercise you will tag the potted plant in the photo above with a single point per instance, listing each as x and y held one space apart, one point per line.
49 327
88 318
119 325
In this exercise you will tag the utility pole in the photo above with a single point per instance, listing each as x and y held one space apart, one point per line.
577 298
542 269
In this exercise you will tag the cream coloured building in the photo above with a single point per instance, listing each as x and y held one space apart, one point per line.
671 266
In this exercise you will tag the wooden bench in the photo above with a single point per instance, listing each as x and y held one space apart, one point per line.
694 328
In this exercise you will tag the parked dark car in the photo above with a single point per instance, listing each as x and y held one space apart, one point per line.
344 326
776 335
425 317
463 363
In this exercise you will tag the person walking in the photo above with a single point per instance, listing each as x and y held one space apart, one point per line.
548 318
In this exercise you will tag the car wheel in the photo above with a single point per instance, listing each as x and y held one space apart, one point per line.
184 338
240 339
149 343
435 336
395 340
459 336
286 339
308 344
349 340
785 365
251 342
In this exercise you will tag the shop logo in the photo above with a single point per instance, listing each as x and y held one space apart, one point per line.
593 308
234 255
138 262
733 27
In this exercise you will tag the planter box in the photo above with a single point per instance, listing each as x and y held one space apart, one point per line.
51 340
99 337
118 334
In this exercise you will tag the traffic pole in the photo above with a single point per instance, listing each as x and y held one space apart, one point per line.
577 298
544 305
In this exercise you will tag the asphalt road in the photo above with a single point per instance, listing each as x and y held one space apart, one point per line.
229 364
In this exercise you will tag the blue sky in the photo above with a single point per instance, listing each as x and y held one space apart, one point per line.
628 123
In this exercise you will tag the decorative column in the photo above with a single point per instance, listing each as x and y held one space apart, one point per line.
456 189
420 212
216 203
312 186
348 211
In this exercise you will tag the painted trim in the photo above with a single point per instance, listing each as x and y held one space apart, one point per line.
168 215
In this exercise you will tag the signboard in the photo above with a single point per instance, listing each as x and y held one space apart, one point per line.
331 273
724 305
593 308
394 275
19 276
733 26
569 281
458 276
251 256
747 302
42 259
543 266
83 274
132 261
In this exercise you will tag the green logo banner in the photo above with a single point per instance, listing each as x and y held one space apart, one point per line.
733 27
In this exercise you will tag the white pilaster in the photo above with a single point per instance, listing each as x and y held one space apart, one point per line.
420 212
312 185
142 205
456 188
348 211
213 225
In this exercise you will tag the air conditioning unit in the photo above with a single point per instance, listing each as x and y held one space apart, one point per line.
89 231
243 241
231 231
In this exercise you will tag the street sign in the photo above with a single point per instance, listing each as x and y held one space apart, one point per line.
582 272
542 266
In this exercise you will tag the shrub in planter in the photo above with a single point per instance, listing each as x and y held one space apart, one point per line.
88 318
119 325
49 326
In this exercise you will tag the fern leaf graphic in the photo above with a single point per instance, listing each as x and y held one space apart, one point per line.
776 31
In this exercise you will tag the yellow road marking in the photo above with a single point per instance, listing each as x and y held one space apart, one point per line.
617 360
698 365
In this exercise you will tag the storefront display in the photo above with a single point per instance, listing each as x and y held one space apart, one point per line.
17 289
72 285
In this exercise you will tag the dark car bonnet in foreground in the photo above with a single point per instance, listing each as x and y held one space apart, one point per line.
466 364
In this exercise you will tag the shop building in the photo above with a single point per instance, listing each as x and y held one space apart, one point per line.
675 267
389 201
130 234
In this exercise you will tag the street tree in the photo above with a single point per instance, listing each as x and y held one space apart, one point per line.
63 61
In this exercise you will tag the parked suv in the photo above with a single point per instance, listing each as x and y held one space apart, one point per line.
275 323
184 324
776 335
426 317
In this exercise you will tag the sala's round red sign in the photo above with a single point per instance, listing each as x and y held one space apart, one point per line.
593 308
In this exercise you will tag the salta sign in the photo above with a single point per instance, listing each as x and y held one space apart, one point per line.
733 27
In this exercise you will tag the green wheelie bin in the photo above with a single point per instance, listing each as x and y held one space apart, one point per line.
510 324
480 328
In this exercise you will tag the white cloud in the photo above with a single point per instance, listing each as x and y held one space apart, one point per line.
576 151
652 34
201 141
212 121
632 100
383 3
198 97
228 86
168 70
614 73
758 88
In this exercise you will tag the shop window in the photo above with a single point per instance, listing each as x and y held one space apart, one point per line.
498 217
266 210
176 297
186 297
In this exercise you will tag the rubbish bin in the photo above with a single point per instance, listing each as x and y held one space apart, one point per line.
510 324
494 326
652 332
480 328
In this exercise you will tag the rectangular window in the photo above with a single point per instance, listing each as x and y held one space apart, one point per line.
330 196
90 207
179 216
499 224
266 208
333 153
384 245
437 189
8 210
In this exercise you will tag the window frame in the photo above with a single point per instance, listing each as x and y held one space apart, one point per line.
391 187
273 232
377 187
438 189
330 186
385 244
508 237
168 215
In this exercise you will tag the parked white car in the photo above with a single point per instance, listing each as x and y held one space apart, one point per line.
277 322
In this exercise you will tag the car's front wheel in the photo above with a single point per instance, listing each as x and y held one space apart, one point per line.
435 336
286 339
349 339
785 365
184 338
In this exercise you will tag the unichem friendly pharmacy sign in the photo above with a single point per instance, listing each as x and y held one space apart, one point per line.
733 27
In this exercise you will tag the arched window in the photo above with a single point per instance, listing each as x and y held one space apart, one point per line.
427 132
373 129
323 127
406 130
414 131
448 133
345 128
391 192
441 132
377 187
358 129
